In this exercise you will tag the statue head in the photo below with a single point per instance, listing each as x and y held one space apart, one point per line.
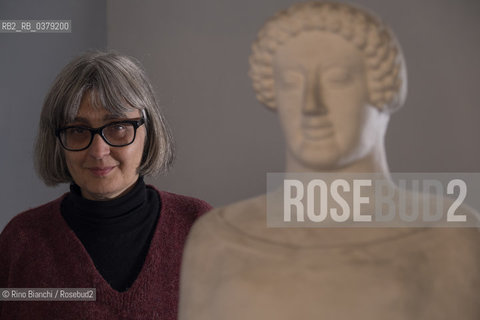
334 73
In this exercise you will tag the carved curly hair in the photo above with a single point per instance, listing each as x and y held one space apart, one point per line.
386 71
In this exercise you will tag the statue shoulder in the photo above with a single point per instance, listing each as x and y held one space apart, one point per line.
230 219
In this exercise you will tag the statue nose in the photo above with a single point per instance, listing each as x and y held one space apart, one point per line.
314 103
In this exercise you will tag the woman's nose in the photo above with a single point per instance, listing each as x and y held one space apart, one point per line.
314 103
99 148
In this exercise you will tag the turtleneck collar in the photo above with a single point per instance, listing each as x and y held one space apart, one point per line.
109 208
117 215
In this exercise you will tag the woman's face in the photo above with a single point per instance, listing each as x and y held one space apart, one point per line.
103 172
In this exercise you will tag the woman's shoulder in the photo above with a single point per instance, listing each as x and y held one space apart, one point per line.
182 203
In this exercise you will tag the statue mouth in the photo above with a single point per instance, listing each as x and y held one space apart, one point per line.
317 127
316 122
318 133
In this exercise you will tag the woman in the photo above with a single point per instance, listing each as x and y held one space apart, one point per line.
100 130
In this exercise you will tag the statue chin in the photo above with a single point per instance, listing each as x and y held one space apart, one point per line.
310 158
318 156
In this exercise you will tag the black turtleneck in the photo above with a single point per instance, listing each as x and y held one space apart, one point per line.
116 233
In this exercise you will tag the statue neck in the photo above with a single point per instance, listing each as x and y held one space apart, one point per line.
374 162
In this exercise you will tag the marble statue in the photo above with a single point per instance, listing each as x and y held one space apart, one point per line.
333 73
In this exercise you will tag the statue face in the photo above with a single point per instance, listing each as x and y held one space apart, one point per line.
322 99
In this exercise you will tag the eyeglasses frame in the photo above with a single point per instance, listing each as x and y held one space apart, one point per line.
93 131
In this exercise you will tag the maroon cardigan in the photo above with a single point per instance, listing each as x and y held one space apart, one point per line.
39 250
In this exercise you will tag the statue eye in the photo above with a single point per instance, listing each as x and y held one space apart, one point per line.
338 76
291 79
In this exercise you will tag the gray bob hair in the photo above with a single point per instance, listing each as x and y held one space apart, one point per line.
114 82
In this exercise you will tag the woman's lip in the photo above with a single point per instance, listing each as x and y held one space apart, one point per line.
101 171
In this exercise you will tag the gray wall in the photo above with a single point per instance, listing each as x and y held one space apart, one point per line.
28 65
196 53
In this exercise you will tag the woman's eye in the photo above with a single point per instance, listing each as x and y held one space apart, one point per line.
78 130
118 127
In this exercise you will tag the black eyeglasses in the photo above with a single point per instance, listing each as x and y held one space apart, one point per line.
116 134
